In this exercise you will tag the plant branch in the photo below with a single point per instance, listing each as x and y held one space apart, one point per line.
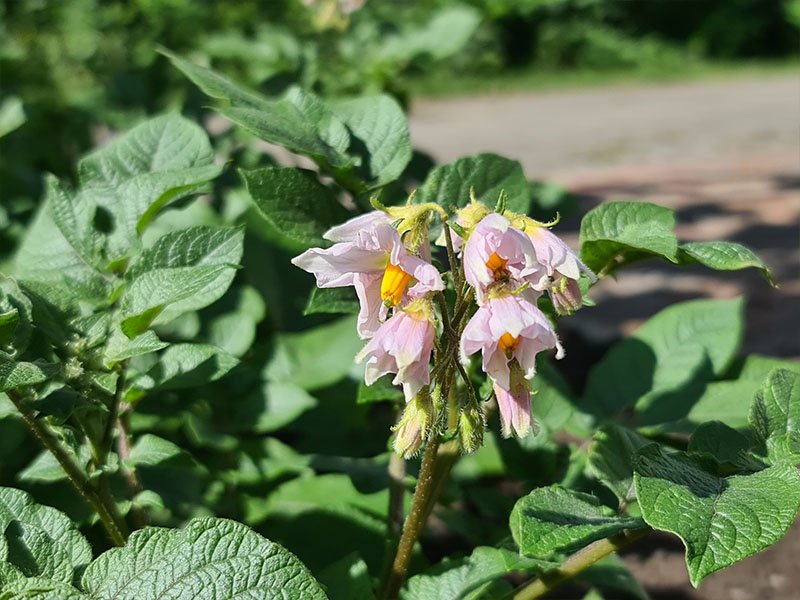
577 563
414 523
107 441
104 506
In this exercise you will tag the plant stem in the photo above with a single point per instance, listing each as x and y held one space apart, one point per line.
414 522
123 425
108 431
578 562
102 504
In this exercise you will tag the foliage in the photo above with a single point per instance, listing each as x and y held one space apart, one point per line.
153 342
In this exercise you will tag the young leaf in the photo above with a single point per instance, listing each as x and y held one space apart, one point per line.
676 351
15 375
556 520
610 458
293 202
468 578
720 520
775 416
723 256
40 541
486 174
16 313
209 559
119 347
617 233
381 126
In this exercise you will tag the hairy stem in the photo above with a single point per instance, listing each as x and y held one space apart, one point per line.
132 483
107 440
577 563
414 523
103 504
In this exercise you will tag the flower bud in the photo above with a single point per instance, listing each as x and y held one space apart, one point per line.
414 425
471 425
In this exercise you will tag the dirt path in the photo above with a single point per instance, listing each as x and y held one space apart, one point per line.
594 128
726 156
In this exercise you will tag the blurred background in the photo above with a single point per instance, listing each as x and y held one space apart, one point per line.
690 104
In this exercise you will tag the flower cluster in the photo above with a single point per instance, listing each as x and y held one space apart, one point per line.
507 262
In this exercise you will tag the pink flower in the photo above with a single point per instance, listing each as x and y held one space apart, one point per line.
402 345
510 331
497 253
562 266
370 256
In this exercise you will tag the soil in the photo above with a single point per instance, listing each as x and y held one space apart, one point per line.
726 156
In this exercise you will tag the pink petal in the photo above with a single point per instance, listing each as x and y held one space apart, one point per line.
349 230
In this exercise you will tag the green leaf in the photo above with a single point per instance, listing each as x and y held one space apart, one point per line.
235 331
445 34
39 540
215 85
134 176
273 406
187 365
120 347
720 520
295 205
347 579
610 458
183 271
316 358
15 375
301 122
12 115
666 363
332 300
723 256
16 314
73 214
380 391
617 233
725 445
381 126
775 416
468 578
209 559
486 174
556 520
38 588
48 265
611 573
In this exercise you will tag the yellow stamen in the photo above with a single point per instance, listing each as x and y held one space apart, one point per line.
508 343
497 265
394 284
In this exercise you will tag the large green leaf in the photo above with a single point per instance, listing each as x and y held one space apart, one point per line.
209 559
296 206
723 256
134 176
272 406
316 358
617 233
38 540
16 314
48 264
555 520
187 365
720 519
485 174
381 126
184 270
468 578
445 34
775 416
666 363
332 300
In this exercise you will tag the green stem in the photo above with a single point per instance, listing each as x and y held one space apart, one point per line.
577 563
105 506
107 440
414 523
